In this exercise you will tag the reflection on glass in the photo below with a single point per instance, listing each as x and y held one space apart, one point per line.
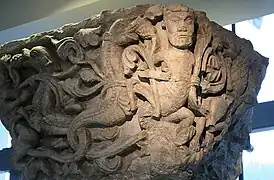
259 164
260 32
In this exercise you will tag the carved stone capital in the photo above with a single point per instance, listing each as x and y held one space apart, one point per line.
148 92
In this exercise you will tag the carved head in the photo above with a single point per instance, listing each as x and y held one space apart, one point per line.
179 21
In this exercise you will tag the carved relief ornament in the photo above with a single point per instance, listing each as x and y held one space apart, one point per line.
153 90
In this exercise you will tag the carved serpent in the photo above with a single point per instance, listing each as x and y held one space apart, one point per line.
112 113
116 109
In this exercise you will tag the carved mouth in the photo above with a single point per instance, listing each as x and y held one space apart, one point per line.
183 36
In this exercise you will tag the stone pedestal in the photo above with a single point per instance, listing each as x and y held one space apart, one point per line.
148 92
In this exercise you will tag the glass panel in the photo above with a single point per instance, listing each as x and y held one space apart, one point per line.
228 27
260 32
4 143
4 134
259 164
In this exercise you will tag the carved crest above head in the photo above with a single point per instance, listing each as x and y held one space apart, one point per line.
152 89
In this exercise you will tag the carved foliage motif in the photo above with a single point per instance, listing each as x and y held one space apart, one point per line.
152 93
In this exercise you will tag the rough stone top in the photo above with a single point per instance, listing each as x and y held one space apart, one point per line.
104 19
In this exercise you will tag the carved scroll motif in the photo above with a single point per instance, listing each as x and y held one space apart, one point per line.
155 89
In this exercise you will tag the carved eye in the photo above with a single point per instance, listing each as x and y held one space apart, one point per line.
175 19
188 19
34 53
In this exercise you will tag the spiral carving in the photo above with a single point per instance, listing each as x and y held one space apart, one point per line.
72 51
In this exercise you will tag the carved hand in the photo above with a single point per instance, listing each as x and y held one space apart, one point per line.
192 98
194 103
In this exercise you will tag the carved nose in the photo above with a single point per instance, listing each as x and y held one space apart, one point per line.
183 29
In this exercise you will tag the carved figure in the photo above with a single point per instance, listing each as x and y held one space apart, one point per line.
172 69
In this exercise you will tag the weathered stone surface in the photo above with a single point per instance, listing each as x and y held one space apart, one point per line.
149 92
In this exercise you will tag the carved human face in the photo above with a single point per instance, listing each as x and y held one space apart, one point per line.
180 28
